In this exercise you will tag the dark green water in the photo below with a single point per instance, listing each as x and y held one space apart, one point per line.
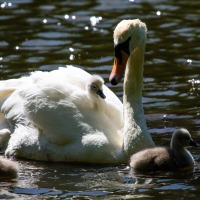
44 35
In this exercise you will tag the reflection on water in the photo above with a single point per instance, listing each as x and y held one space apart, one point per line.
45 35
105 182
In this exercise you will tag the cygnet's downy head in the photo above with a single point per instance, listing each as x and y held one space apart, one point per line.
95 86
182 138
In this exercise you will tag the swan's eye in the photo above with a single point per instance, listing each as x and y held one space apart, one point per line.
122 47
118 54
94 87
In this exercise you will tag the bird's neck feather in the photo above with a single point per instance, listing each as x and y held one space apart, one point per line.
136 135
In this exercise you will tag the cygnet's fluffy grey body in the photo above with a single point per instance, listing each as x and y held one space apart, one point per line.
166 158
8 168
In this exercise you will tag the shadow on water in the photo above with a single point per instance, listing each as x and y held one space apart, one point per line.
45 35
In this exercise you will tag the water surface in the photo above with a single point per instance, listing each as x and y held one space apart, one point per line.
44 35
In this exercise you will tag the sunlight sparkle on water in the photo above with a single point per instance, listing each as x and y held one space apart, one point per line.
189 61
71 57
17 47
66 16
95 20
44 21
1 58
3 5
194 82
158 13
71 49
73 17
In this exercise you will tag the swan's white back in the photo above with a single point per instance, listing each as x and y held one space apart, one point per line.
56 108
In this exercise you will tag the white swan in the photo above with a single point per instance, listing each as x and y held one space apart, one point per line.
163 158
52 118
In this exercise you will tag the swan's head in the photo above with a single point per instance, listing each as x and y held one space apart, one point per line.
95 86
182 138
128 35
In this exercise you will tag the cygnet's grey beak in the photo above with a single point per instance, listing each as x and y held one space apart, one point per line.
193 144
101 94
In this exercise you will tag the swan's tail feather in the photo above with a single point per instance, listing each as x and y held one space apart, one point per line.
4 138
7 87
11 84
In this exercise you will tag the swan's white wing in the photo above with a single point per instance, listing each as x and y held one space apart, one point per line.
57 104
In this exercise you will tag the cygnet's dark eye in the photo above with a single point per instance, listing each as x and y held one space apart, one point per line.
94 87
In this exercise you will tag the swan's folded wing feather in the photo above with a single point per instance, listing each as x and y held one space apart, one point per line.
7 87
57 104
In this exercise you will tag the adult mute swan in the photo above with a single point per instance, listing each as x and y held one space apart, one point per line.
163 158
50 116
129 46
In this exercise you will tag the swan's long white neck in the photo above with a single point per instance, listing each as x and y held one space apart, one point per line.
136 135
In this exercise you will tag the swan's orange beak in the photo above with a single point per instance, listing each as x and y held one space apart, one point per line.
118 68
